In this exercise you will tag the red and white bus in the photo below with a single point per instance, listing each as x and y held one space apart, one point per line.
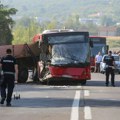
64 54
100 45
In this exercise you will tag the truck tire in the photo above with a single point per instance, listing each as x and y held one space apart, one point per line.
22 75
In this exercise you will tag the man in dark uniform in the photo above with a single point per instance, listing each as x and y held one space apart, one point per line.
110 63
10 74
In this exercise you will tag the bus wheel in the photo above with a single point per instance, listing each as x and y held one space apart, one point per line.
83 82
22 75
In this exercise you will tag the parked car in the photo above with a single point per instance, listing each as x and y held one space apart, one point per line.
117 64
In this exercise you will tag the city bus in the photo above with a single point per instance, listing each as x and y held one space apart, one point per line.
100 45
65 54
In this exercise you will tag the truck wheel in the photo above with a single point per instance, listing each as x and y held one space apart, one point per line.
22 75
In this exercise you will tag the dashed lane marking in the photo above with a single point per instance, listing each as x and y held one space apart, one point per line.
87 109
75 106
86 93
87 113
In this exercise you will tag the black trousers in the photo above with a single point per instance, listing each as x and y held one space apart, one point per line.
7 87
110 71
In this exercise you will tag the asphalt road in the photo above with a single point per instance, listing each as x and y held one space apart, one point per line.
94 101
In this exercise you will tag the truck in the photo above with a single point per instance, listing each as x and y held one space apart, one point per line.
100 45
26 56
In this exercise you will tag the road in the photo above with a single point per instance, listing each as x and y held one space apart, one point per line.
94 101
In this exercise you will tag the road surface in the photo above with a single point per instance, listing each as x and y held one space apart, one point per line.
94 101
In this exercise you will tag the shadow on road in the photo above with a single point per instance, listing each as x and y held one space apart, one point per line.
99 83
62 102
102 103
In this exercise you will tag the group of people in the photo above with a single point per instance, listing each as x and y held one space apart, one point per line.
109 69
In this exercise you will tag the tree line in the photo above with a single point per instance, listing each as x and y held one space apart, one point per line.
6 24
22 30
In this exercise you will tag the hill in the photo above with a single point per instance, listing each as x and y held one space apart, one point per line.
49 9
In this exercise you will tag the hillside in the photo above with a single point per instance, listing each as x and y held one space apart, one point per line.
48 9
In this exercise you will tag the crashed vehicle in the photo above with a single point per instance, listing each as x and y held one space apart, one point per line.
64 54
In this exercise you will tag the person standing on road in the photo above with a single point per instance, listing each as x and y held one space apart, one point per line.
98 59
10 74
110 64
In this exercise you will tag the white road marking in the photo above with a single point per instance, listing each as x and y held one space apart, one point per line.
87 113
78 86
59 86
86 93
75 106
87 109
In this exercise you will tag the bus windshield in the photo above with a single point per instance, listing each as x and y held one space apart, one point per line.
99 45
98 48
69 49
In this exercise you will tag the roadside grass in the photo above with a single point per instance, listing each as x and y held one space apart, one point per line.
113 42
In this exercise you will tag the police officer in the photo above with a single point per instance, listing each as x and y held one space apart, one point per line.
10 74
110 63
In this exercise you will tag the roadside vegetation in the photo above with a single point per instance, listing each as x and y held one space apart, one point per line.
114 42
6 24
22 30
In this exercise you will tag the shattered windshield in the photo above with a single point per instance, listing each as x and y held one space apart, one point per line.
69 49
70 53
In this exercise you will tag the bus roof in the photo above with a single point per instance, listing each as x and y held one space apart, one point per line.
57 32
98 39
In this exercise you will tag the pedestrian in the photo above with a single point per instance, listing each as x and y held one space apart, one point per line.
10 74
98 59
110 65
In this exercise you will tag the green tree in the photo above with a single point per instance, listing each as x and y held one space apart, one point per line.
72 22
6 24
25 29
